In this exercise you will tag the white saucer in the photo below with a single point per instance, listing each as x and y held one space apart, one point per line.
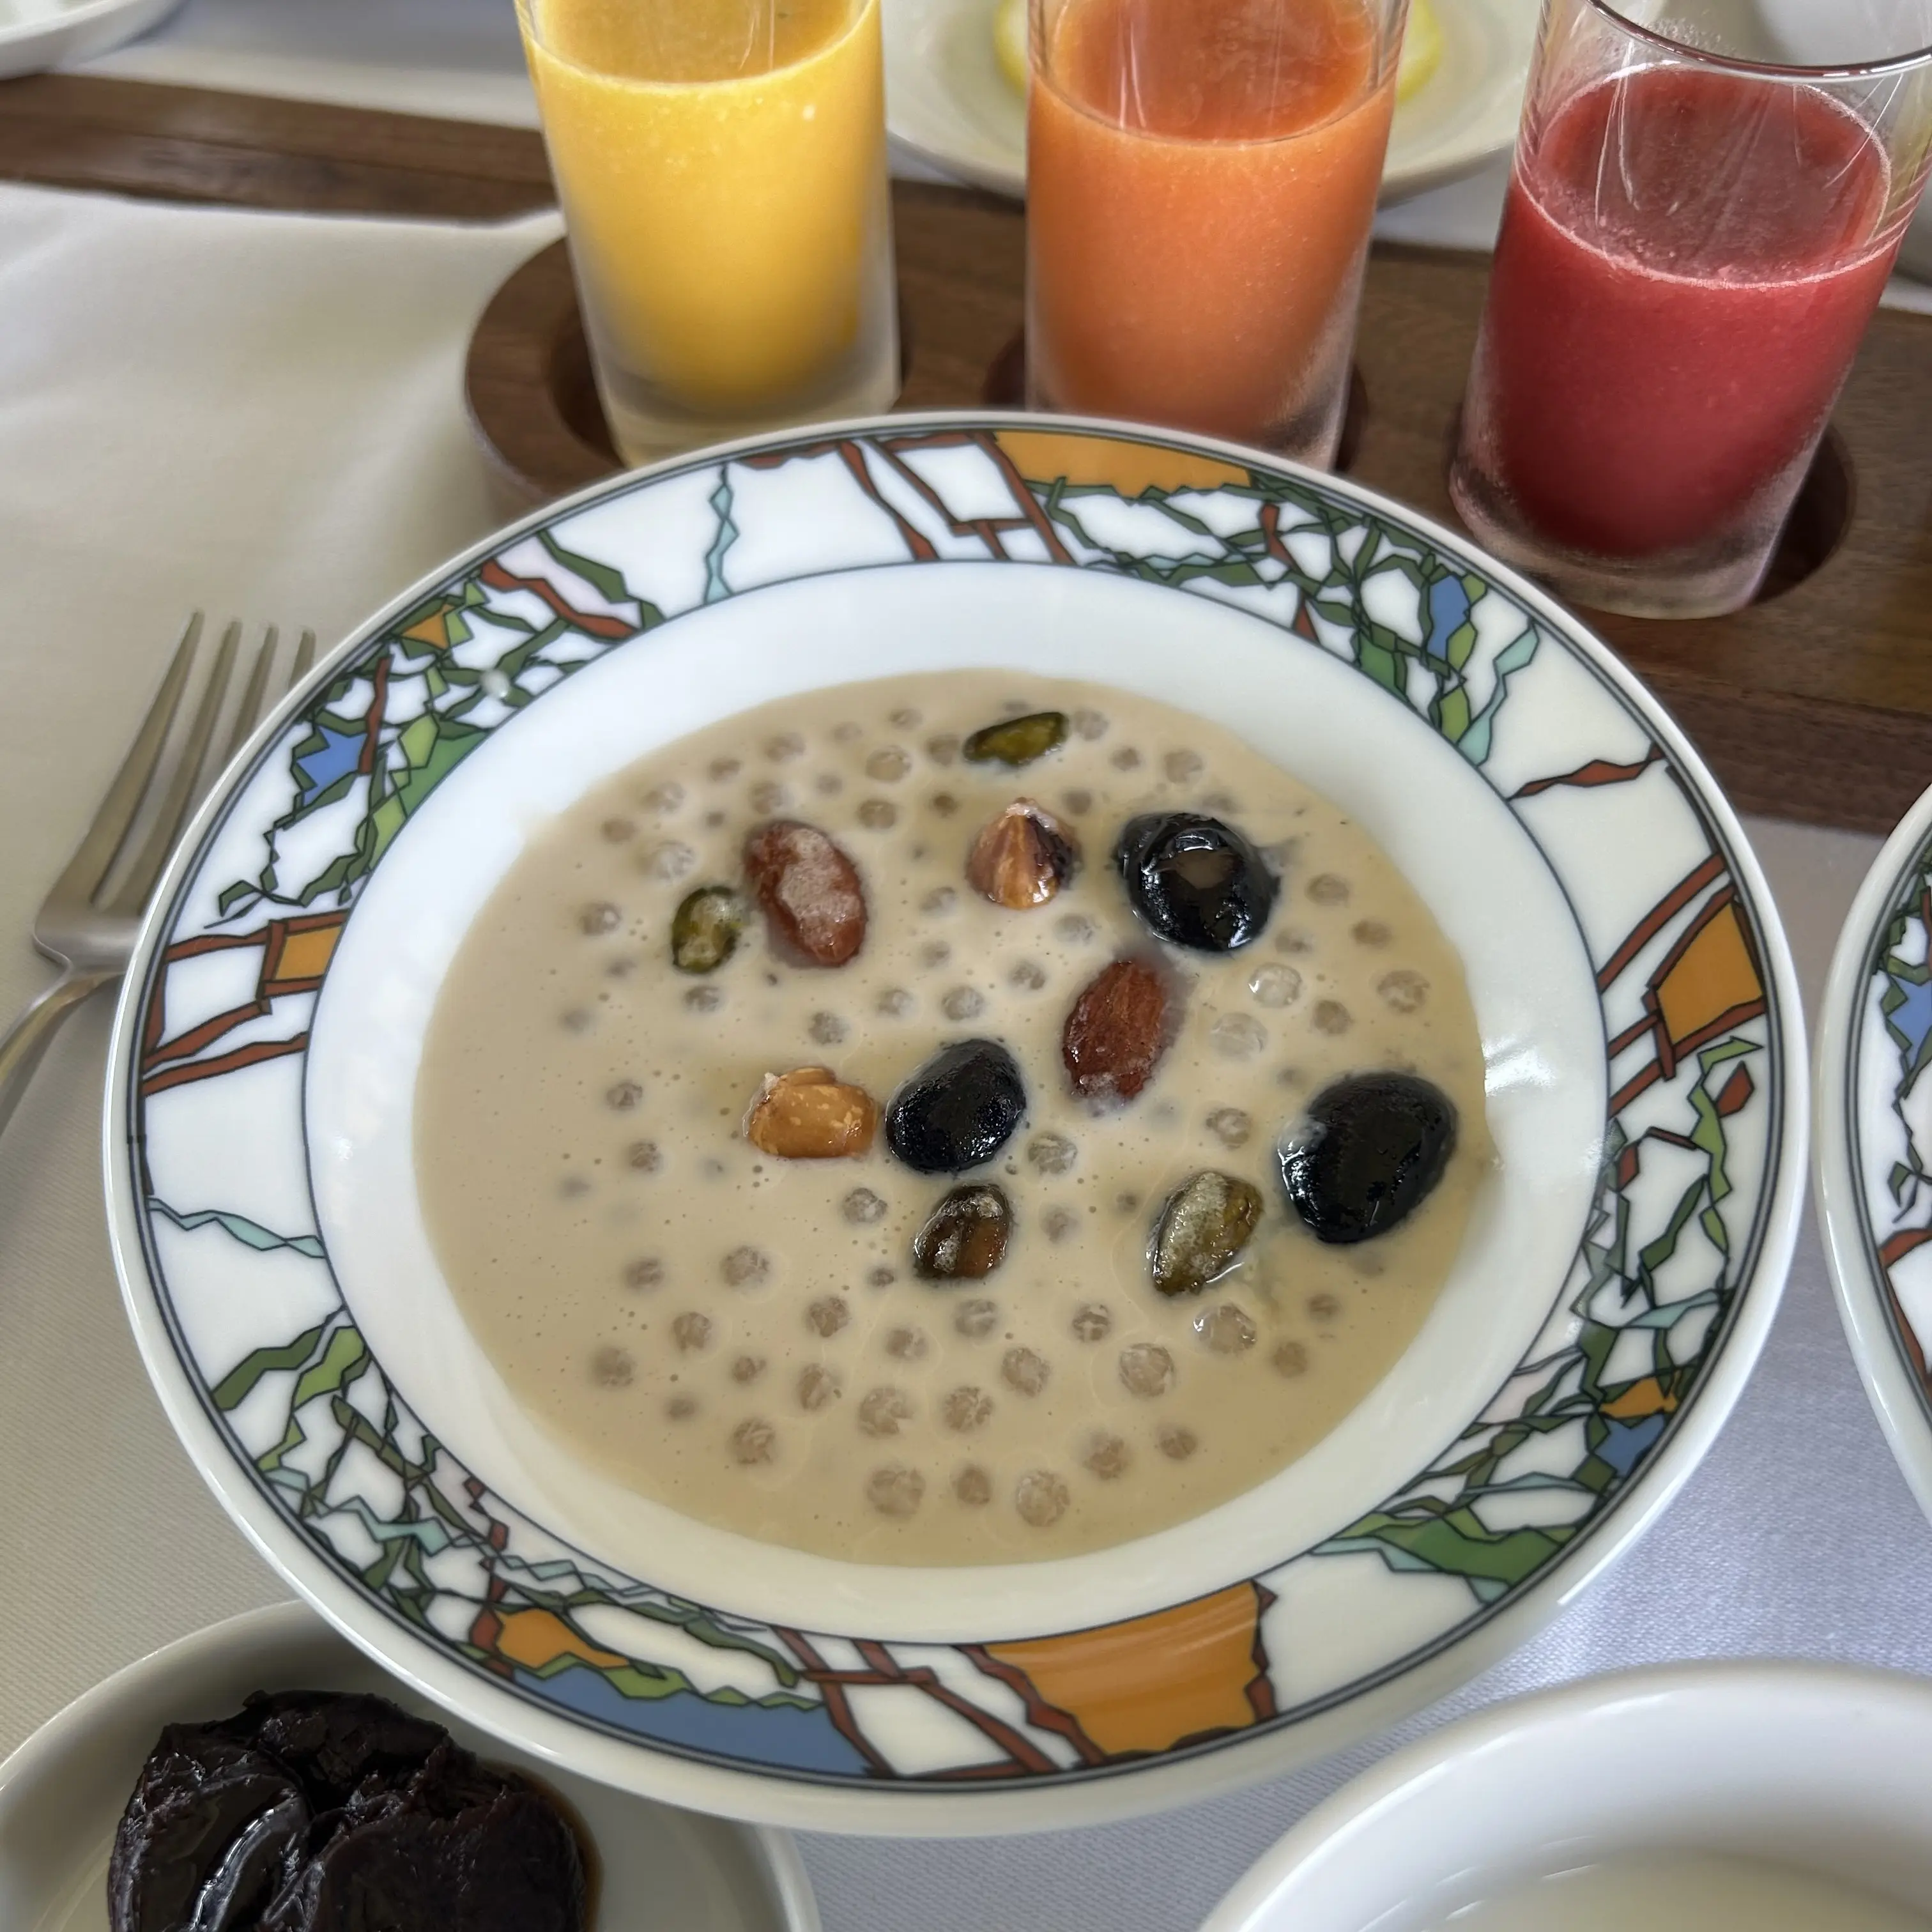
39 33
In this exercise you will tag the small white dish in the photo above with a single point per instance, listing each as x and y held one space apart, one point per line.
1873 1125
62 1792
35 35
947 101
1816 1766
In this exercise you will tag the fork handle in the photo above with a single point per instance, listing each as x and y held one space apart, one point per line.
28 1039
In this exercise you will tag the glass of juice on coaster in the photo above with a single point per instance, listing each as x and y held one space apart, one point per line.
1201 177
722 165
1702 216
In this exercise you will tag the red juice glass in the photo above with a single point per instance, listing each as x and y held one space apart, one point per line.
1701 218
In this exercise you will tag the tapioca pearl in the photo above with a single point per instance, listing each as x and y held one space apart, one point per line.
622 967
1332 1017
1051 1153
888 764
572 1187
895 1002
1404 990
827 1315
1292 1076
645 1273
1290 1359
1328 888
1146 1369
939 902
1025 1369
598 917
906 1344
972 1486
896 1490
847 731
576 1019
613 1367
768 796
1370 932
1219 801
1077 801
1126 1201
1059 1223
785 747
884 1411
1176 1442
745 1267
1075 929
1274 985
817 1387
643 1157
1291 939
616 831
670 858
1183 767
1093 1321
943 748
1323 1306
944 804
1237 1036
826 1029
1041 1497
723 769
962 1003
665 799
691 1331
1230 1126
935 953
976 1319
863 1208
1126 759
965 1409
681 1408
1367 1265
878 814
1028 976
828 784
906 717
881 1276
754 1440
704 999
1089 724
1107 1456
747 1368
1225 1329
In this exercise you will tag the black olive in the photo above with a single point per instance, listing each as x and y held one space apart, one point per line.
959 1110
1366 1154
1195 881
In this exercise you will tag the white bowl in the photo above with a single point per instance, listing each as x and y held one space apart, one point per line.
1817 1766
1623 961
63 1791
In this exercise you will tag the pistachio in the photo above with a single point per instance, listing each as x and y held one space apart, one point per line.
1016 741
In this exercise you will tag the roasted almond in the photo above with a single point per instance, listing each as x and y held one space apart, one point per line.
1021 858
813 905
1122 1023
810 1114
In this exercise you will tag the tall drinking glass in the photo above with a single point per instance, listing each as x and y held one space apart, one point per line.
1702 214
1201 177
722 165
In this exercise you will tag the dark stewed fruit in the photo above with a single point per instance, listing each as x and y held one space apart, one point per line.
959 1110
1194 880
1366 1154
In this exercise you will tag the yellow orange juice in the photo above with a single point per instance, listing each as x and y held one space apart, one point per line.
721 164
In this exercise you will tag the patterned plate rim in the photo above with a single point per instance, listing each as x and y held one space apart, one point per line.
1129 1782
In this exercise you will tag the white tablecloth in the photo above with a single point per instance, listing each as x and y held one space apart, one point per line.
262 415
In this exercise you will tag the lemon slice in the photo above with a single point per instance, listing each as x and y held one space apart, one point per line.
1421 49
1010 42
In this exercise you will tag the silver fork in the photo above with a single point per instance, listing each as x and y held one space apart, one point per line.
89 922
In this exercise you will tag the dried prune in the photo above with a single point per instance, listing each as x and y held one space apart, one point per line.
959 1109
1194 880
1124 1020
1016 741
1022 858
814 906
964 1237
1367 1153
1204 1224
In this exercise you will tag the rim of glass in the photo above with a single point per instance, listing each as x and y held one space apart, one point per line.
1763 70
532 30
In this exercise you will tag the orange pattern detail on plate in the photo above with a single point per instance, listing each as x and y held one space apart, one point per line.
1042 455
1713 976
536 1638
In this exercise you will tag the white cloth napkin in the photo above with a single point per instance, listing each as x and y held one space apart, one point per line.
263 415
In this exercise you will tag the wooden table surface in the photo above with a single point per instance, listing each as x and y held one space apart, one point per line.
1815 704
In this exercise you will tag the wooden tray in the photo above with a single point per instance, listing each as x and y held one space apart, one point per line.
1815 704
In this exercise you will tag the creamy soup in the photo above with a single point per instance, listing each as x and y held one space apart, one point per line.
749 1337
1684 1891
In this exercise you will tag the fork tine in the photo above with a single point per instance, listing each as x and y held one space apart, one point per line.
185 787
304 658
250 708
114 819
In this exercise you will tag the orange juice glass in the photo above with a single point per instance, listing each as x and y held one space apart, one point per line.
1201 178
722 165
